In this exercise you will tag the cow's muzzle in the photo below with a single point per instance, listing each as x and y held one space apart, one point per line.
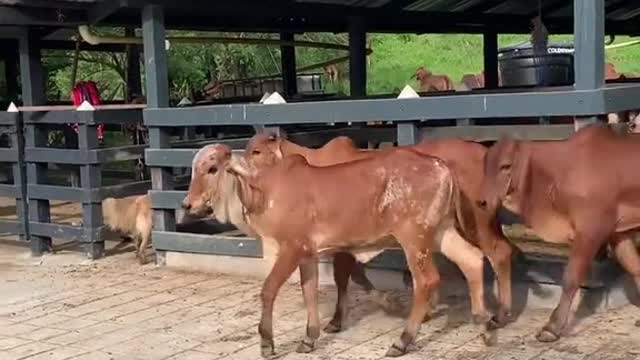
186 205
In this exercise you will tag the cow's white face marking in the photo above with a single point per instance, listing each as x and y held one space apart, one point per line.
270 204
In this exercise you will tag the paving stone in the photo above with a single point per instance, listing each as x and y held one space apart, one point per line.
17 329
43 333
77 336
32 348
61 353
7 343
154 345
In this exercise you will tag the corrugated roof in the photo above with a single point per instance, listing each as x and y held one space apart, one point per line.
380 15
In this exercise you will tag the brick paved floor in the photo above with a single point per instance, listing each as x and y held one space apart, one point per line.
65 307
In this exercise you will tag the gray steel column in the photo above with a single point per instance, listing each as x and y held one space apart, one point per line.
134 80
288 61
588 30
358 57
90 178
490 49
33 93
157 85
407 133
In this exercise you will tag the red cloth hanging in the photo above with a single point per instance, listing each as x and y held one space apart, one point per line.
87 91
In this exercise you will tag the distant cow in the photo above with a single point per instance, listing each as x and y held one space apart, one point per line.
430 82
583 191
473 81
398 195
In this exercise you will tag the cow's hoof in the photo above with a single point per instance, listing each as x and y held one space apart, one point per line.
396 351
332 328
546 335
490 338
497 322
142 259
305 347
427 317
480 319
637 323
267 349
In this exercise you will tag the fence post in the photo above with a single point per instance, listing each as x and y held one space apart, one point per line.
33 93
588 57
90 178
157 85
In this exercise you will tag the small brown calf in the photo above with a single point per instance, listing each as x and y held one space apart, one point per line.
132 217
397 198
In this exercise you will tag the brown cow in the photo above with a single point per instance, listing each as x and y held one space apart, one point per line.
216 194
399 195
473 81
582 191
430 82
466 159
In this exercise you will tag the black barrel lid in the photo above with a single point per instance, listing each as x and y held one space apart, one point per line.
527 47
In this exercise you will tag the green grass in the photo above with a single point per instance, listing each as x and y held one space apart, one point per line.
395 58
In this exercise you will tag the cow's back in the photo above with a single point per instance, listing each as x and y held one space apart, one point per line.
465 158
350 202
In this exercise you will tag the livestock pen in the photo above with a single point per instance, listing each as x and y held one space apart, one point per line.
478 115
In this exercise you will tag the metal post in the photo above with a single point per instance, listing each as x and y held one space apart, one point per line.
134 82
288 60
20 179
11 71
90 177
157 83
490 49
33 93
588 31
407 133
358 57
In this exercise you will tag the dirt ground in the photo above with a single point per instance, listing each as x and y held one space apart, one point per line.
63 306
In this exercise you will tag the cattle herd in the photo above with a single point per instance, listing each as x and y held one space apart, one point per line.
437 196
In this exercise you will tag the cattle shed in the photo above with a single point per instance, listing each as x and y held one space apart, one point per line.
29 26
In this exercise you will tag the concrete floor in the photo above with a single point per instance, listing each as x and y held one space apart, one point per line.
63 306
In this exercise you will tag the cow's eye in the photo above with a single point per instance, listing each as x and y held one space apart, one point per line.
256 152
505 167
213 170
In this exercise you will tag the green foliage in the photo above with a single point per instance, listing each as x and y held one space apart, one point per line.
394 60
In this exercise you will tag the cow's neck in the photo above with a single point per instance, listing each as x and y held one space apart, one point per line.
228 208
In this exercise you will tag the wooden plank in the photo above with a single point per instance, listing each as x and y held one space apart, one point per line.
66 232
207 244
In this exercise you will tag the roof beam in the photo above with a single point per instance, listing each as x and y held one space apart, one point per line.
104 9
11 15
396 5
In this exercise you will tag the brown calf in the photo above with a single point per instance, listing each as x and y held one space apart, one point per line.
399 195
466 159
582 191
132 217
215 193
430 82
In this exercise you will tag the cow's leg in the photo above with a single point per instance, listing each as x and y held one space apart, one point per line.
470 260
499 253
583 251
343 264
309 283
625 250
285 264
359 276
425 280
